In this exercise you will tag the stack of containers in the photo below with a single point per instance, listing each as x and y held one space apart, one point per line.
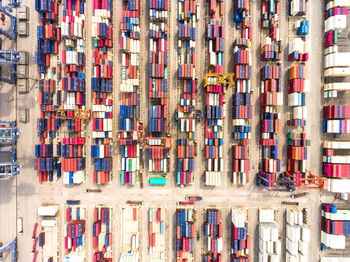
298 86
336 160
74 233
297 236
45 162
271 94
102 87
215 104
336 157
74 85
102 234
269 243
297 7
335 225
271 97
336 119
269 17
49 69
73 160
271 51
242 94
213 241
156 226
131 234
185 232
297 155
158 88
130 86
239 235
187 89
298 49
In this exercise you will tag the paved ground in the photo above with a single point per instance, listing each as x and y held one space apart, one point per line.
21 196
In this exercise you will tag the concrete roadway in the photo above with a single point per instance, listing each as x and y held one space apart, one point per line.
22 196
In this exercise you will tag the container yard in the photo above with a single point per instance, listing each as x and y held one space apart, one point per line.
174 130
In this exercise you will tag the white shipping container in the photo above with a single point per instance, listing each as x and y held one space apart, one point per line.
339 185
333 241
337 60
48 223
48 211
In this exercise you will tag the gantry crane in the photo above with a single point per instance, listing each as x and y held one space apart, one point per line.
9 169
8 133
285 184
11 58
225 79
13 246
73 114
310 181
5 10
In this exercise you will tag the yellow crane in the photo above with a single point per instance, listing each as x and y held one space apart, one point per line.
77 114
226 79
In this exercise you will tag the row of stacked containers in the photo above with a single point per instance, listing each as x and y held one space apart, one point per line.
297 235
215 103
298 86
130 234
269 239
335 226
271 94
48 39
74 86
336 108
102 90
186 123
74 233
130 90
157 148
157 235
213 241
64 92
102 237
239 235
185 232
242 94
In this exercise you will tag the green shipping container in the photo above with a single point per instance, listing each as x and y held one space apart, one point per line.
157 181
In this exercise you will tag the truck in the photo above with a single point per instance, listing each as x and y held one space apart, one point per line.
73 202
93 190
194 198
185 203
20 225
299 195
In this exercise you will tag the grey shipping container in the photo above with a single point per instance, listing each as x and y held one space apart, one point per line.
22 85
23 58
23 13
23 29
